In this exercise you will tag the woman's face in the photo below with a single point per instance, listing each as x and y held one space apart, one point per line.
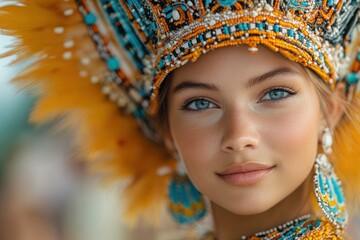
246 126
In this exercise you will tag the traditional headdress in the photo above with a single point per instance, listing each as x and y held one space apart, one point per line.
83 49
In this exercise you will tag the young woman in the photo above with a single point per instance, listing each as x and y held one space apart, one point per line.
249 141
249 127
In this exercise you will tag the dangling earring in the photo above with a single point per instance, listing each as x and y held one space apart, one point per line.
186 203
327 141
328 188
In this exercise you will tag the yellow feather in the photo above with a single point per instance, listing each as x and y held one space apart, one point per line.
346 156
111 141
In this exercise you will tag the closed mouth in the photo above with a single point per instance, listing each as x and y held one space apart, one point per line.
246 174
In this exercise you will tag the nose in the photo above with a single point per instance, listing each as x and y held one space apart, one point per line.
240 131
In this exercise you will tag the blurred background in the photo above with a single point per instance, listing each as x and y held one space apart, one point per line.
45 192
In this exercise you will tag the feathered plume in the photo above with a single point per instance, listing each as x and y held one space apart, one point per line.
52 34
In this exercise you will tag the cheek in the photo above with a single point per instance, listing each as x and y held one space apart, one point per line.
294 134
194 132
197 143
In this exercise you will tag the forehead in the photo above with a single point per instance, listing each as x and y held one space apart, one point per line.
231 61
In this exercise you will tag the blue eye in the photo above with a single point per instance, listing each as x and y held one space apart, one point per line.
199 104
277 94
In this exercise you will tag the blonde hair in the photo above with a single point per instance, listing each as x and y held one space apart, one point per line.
346 134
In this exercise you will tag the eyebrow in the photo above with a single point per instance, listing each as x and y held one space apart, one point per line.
193 85
269 75
253 81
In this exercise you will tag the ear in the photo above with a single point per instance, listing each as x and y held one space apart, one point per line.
335 105
169 142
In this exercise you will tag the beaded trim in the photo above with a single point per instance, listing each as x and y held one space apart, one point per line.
294 228
148 39
328 191
305 227
131 96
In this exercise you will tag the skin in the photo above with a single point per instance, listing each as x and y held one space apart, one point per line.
218 119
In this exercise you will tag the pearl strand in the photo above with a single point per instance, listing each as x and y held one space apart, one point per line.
283 228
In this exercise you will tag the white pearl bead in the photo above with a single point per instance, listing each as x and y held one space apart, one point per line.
327 139
253 49
122 102
69 44
68 12
67 55
94 79
106 90
59 30
162 171
269 8
176 15
83 74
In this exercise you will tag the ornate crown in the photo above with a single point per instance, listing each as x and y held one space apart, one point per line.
159 36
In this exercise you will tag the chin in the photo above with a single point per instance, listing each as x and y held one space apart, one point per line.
249 208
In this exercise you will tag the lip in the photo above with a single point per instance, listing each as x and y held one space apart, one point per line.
245 174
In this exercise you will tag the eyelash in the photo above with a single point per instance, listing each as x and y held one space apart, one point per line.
193 99
285 89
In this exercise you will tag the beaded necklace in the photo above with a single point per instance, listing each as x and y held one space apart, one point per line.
305 227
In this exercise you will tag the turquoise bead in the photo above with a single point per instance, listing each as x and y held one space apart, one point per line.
226 3
246 26
291 33
276 28
338 192
352 78
90 19
305 4
295 3
113 64
330 3
261 26
226 30
139 114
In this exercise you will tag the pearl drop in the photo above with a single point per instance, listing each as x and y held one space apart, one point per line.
327 140
181 170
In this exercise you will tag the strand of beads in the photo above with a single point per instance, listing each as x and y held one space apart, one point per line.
287 229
